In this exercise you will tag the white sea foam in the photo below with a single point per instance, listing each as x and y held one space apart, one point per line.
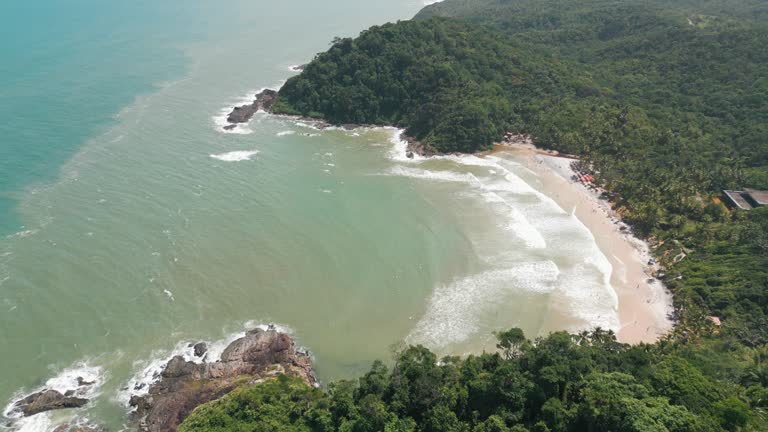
284 133
307 125
399 151
235 156
448 176
455 310
37 423
518 223
493 197
594 302
583 287
22 234
220 119
64 381
523 228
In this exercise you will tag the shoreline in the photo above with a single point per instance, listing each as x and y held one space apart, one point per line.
644 303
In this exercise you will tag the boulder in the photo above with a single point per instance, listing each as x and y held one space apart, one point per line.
48 400
81 382
200 349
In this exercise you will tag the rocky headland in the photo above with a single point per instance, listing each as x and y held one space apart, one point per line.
263 101
184 385
258 355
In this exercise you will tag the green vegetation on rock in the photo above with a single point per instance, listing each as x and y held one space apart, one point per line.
280 404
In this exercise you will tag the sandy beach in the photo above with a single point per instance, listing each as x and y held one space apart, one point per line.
644 303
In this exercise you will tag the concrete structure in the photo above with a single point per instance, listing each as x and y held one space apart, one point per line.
746 199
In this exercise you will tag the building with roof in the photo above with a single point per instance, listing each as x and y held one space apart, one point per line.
746 199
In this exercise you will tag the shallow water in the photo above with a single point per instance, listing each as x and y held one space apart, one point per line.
162 229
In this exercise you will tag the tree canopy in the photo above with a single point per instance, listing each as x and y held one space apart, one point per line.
560 383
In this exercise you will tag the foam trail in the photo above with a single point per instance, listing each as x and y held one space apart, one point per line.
235 156
22 234
37 423
454 310
448 176
518 223
583 288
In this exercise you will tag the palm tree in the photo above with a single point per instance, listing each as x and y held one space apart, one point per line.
757 371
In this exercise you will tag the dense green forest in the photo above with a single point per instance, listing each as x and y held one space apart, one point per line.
668 102
585 382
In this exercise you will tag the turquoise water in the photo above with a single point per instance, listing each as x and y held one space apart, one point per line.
136 225
68 67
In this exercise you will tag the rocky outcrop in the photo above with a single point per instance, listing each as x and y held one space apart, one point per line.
417 147
47 400
184 385
200 349
242 114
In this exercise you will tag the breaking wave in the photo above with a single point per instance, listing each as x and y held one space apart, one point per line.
82 380
454 310
235 156
579 282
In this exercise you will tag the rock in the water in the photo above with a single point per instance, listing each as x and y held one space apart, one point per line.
185 385
418 147
82 382
48 400
200 349
242 114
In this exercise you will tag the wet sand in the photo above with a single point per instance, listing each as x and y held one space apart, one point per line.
644 303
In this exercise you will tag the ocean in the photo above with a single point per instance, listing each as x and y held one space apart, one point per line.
131 224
